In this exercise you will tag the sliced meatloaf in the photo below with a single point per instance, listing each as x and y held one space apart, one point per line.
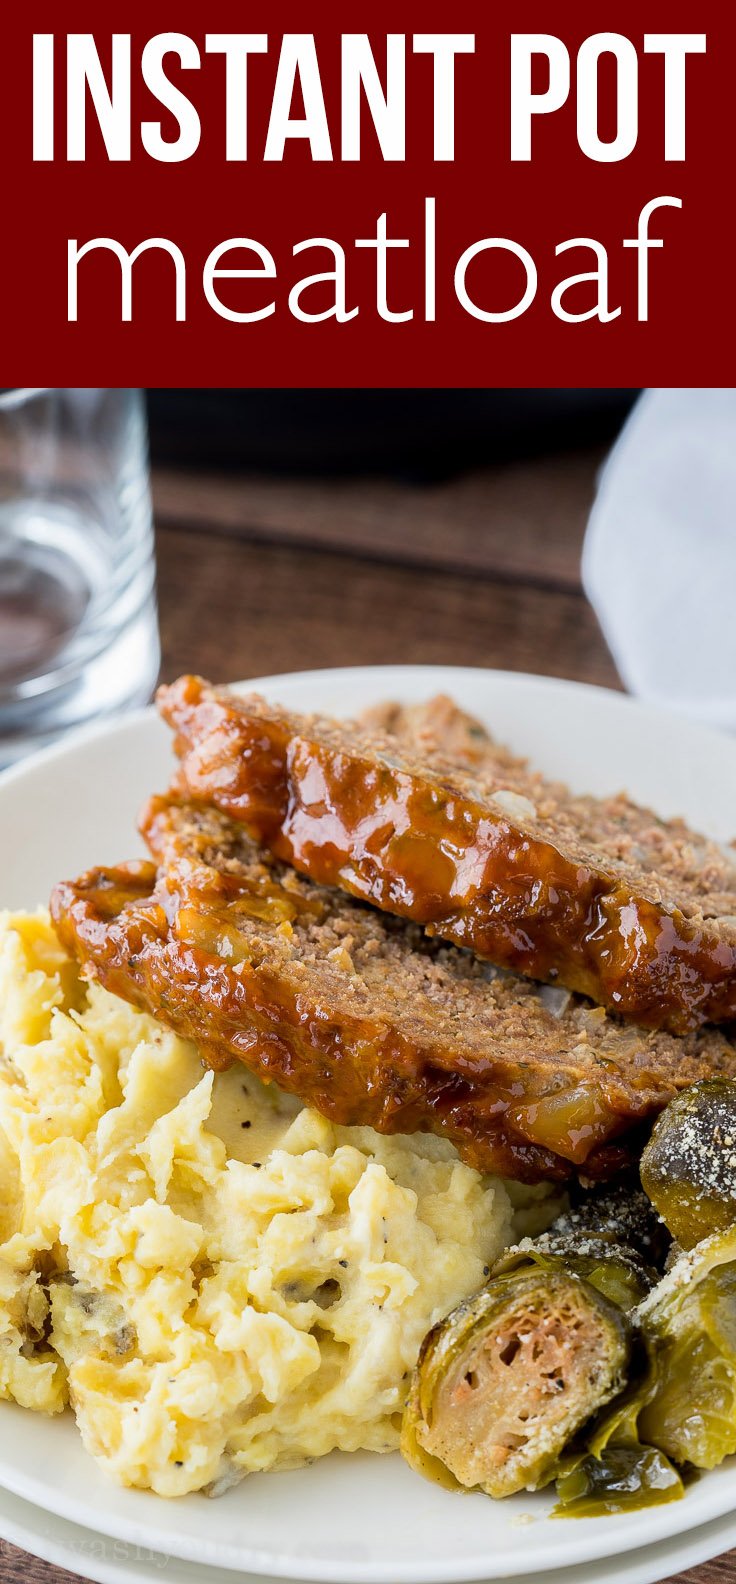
421 814
364 1016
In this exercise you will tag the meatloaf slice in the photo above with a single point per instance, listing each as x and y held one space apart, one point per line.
364 1016
429 819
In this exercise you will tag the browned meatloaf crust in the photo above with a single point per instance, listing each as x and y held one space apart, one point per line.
422 815
364 1016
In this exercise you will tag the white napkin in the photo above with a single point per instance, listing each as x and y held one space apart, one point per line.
659 559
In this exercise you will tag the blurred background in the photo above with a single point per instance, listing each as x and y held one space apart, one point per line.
240 532
319 528
425 434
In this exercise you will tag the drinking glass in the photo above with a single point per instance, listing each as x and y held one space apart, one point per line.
78 626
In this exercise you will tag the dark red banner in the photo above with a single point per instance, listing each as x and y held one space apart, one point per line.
446 180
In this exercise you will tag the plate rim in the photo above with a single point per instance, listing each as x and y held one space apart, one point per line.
121 722
708 1540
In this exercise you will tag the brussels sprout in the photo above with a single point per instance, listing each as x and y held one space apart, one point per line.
614 1471
622 1216
682 1408
622 1479
691 1321
688 1168
612 1238
620 1275
505 1381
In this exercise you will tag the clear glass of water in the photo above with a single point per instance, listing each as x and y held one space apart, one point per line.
78 627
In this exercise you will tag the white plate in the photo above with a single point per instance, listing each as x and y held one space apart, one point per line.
356 1518
112 1562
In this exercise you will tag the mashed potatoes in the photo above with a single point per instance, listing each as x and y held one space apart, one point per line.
215 1279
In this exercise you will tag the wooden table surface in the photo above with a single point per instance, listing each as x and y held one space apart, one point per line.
258 576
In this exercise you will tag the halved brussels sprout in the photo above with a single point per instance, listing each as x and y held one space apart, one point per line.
573 1365
691 1321
688 1168
682 1409
505 1381
615 1471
